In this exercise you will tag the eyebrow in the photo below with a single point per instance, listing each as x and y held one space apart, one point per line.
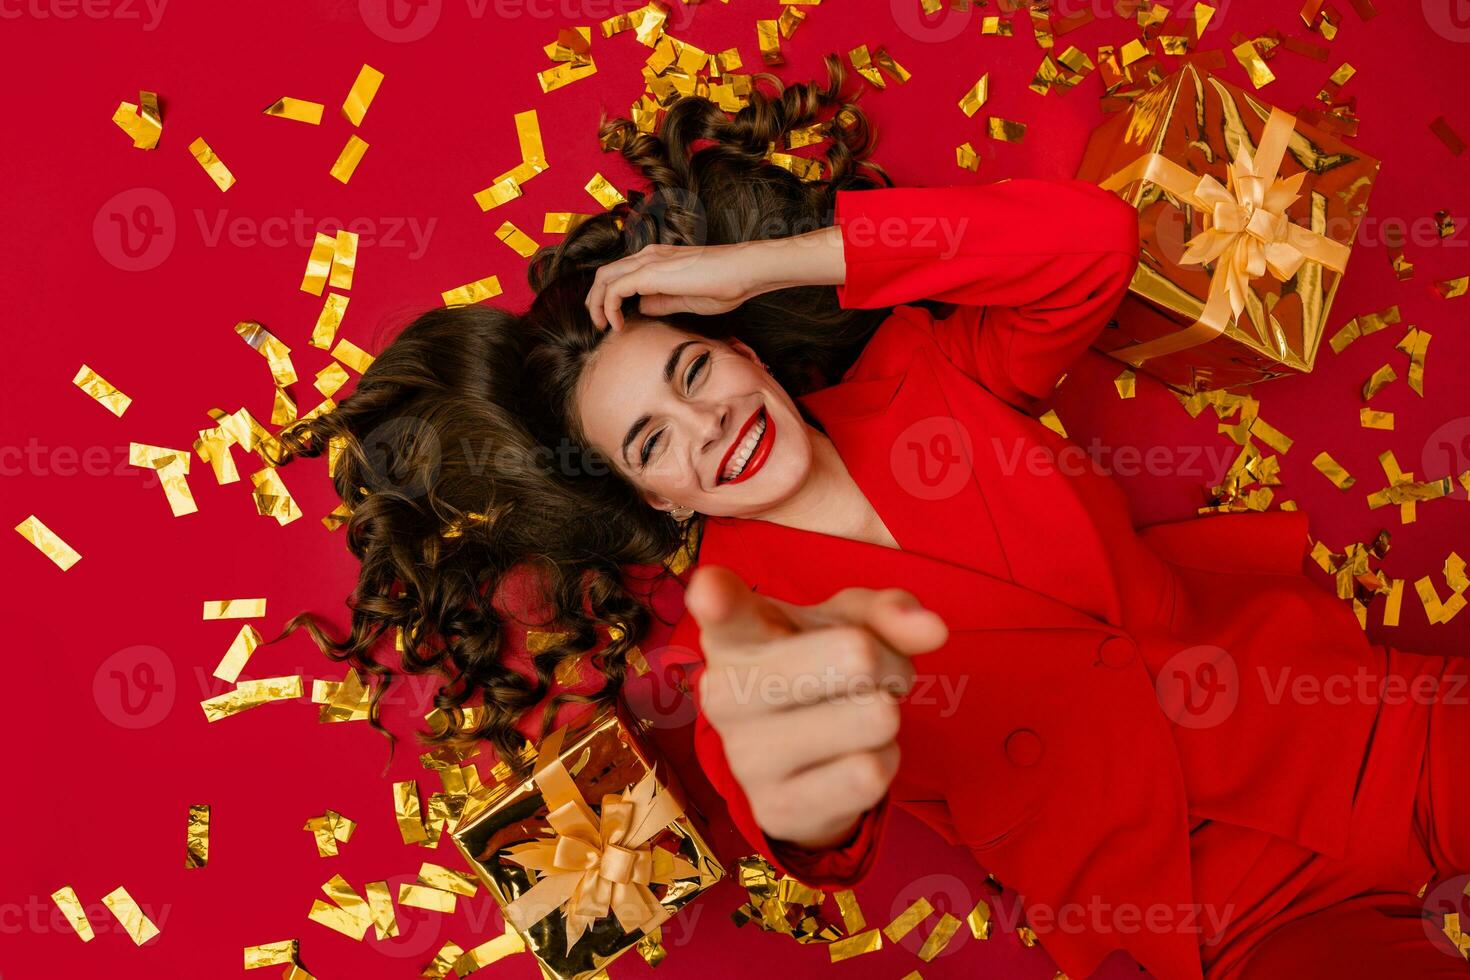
670 366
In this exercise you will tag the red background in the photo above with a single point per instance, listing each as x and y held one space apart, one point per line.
98 801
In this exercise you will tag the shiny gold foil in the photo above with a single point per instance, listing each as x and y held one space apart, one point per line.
602 757
327 323
234 608
604 192
1005 129
1333 470
318 264
977 96
909 919
137 925
142 122
196 837
212 164
364 90
1200 123
979 920
251 694
100 391
473 292
353 356
296 109
519 241
937 940
66 900
272 499
272 954
48 542
1379 380
864 942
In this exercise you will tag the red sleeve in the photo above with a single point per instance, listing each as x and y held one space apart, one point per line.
840 866
1037 268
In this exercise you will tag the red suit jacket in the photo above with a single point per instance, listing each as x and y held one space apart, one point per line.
1120 687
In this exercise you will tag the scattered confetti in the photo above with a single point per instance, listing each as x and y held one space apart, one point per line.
101 391
349 158
136 924
296 109
212 164
361 95
48 542
196 838
66 900
142 122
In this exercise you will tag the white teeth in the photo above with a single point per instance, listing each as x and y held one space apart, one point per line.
747 447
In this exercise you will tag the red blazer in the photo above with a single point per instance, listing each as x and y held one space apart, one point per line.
1086 740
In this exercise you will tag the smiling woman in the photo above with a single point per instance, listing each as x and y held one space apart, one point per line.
485 463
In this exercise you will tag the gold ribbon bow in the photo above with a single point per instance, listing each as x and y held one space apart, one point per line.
1247 232
596 864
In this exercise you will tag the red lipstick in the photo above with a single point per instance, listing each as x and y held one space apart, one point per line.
758 457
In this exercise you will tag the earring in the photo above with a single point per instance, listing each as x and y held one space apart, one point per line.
681 514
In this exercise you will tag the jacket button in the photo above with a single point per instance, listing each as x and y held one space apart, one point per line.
1023 747
1117 651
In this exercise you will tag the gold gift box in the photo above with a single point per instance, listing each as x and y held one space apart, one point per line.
1200 123
601 755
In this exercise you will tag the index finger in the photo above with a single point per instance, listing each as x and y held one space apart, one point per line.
894 615
729 614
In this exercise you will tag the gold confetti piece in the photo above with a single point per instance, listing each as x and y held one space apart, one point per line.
501 946
444 961
790 19
979 920
134 922
518 240
424 897
886 62
1052 422
406 809
474 292
48 542
1394 606
328 830
277 354
1005 129
852 913
196 838
1126 383
364 88
1415 344
1363 326
1254 65
330 379
1441 128
272 499
1270 435
561 222
101 392
604 192
909 919
344 259
142 122
1448 289
447 879
1369 419
349 700
298 110
562 75
1132 52
1382 377
319 264
349 158
498 193
768 40
173 468
353 356
1333 470
212 164
966 157
380 907
1429 598
1202 14
251 694
66 900
939 938
327 323
1027 935
996 27
1445 222
864 942
977 96
1344 72
155 457
238 655
272 954
234 608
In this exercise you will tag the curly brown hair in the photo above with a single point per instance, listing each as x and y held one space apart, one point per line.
459 457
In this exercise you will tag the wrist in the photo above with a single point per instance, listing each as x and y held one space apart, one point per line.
813 258
837 835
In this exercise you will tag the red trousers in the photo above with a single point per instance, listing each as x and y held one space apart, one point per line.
1295 913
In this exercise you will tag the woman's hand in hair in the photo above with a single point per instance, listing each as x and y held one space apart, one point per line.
805 698
710 279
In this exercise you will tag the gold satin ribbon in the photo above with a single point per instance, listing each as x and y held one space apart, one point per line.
596 864
1247 232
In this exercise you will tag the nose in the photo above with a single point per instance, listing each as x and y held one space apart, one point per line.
707 424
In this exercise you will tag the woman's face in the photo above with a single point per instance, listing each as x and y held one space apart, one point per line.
693 422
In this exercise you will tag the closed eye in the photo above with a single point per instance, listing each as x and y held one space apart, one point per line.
696 369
